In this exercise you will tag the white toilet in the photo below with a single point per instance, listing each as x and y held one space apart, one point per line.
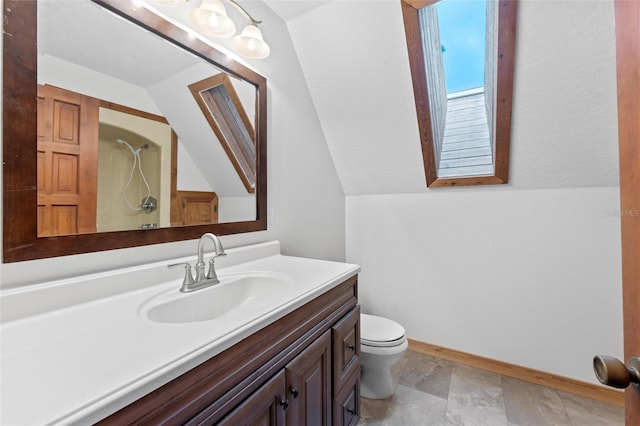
382 345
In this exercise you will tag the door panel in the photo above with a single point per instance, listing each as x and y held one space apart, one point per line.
309 384
628 73
67 162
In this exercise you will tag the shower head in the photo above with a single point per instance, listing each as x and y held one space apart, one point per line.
145 146
133 151
123 142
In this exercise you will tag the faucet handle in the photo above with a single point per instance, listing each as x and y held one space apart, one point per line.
188 276
211 273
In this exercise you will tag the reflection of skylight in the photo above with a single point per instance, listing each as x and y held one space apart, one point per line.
228 119
462 34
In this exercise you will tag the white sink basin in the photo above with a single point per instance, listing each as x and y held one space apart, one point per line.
236 293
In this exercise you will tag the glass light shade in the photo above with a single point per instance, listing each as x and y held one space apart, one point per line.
171 3
211 18
250 43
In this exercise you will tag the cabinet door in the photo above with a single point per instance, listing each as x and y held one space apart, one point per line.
346 404
265 407
346 348
309 384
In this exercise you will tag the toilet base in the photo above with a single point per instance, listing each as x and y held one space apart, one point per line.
376 379
376 383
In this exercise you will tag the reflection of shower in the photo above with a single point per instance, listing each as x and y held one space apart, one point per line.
148 203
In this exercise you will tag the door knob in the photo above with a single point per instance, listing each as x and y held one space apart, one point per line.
612 372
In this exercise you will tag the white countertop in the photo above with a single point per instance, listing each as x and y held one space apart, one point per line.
77 363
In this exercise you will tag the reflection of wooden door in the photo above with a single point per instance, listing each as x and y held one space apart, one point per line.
628 64
67 162
197 208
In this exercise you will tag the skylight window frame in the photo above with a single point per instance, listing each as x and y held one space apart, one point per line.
241 151
505 57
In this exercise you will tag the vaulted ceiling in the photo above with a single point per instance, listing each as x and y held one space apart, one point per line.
354 58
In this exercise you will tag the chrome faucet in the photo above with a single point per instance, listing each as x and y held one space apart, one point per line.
202 280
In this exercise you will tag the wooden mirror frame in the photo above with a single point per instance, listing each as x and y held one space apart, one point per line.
507 17
19 139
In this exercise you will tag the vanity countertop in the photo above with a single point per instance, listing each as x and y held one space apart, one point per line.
75 351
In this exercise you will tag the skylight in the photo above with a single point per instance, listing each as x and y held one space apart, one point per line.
462 71
223 109
462 26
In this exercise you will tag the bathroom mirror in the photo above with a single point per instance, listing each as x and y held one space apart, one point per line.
138 69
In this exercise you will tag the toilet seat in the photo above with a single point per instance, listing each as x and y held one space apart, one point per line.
380 332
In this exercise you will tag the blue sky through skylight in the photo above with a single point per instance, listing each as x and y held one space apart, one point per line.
462 34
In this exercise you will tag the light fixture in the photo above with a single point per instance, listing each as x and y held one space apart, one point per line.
211 18
250 43
171 3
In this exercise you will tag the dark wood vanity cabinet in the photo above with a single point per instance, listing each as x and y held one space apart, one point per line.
266 406
308 384
346 369
303 369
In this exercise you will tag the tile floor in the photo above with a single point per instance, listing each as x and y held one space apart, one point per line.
433 391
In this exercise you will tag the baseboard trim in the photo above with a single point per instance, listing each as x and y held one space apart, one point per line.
588 390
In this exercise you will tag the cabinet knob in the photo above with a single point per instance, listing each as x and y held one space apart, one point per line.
284 403
294 392
352 347
351 411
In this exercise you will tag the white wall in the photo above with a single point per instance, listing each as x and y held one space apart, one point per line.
304 191
527 273
530 277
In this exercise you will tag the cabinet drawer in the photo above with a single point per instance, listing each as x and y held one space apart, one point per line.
346 348
346 404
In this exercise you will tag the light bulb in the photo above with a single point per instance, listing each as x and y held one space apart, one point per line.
171 3
251 44
211 18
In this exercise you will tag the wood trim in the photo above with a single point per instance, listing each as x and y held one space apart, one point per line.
588 390
20 240
507 19
467 181
88 170
506 57
175 206
419 4
132 111
420 89
627 15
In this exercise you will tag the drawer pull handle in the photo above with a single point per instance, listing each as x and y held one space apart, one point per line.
352 347
351 411
294 392
284 403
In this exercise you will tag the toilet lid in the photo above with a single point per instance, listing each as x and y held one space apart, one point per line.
380 332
